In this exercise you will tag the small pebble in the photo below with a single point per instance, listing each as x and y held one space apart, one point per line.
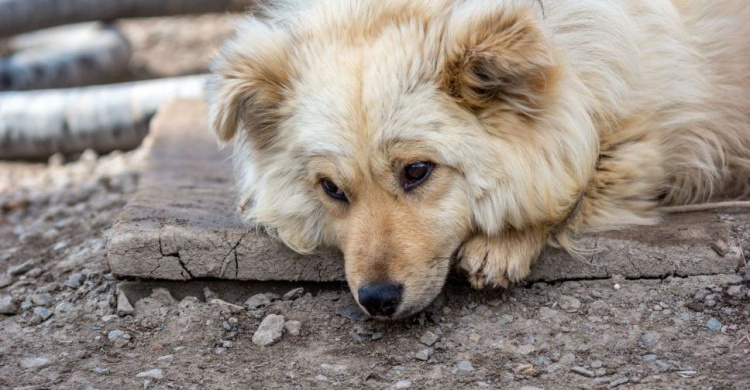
292 327
617 382
582 371
648 339
75 280
41 299
569 304
5 280
165 359
124 308
35 363
21 268
734 291
596 364
7 306
153 374
269 331
376 336
429 338
465 365
505 319
294 294
546 314
257 301
42 312
425 354
648 358
321 378
405 384
713 324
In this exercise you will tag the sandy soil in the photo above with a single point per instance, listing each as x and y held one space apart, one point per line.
60 326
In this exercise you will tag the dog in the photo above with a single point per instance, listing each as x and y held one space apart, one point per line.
418 135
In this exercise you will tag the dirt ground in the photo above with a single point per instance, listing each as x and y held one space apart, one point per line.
60 327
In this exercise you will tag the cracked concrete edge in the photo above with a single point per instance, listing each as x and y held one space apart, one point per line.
178 253
182 224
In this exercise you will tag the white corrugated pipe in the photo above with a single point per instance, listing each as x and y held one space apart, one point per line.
38 124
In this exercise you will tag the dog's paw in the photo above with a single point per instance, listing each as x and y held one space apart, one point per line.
501 260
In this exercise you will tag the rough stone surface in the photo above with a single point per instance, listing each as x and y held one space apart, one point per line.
269 331
183 224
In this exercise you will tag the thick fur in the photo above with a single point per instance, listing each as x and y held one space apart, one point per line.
525 107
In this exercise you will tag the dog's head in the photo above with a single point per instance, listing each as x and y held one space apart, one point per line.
395 130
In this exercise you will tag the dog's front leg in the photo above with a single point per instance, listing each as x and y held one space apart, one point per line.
499 260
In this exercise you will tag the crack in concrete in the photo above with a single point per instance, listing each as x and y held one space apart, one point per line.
176 255
225 260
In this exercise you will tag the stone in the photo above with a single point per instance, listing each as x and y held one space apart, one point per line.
292 328
505 319
257 301
41 299
5 280
7 306
75 280
321 378
404 384
648 340
35 363
525 349
165 359
734 291
124 307
21 269
202 225
118 334
429 338
582 371
230 307
552 368
546 314
425 354
648 358
269 331
617 382
525 369
156 373
713 325
596 364
43 313
567 359
569 304
294 294
465 365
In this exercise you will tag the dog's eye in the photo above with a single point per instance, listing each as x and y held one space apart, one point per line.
333 190
415 174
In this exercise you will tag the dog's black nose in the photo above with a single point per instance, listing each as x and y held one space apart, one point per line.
380 299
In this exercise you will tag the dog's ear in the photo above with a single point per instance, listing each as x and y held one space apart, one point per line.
248 84
497 55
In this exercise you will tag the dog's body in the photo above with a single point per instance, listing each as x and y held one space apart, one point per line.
406 132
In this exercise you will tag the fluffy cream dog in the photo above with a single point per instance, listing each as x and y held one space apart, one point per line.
409 133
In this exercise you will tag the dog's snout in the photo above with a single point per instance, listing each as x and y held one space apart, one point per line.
380 299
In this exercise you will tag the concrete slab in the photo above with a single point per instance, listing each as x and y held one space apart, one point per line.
182 224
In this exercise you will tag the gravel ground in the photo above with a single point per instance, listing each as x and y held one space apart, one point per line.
63 324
